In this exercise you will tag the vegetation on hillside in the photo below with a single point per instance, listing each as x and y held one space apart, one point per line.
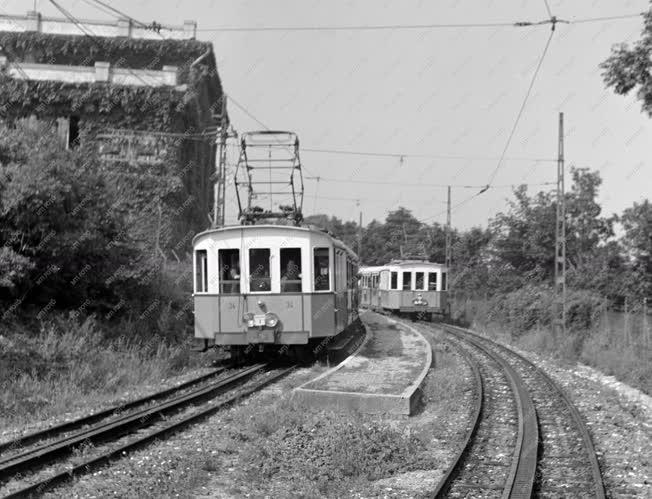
85 312
502 275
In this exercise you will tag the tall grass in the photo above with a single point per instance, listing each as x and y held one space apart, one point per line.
73 364
612 343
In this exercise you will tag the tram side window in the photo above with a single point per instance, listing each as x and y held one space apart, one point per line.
432 281
419 283
407 281
229 261
444 283
322 269
201 271
394 283
290 270
259 275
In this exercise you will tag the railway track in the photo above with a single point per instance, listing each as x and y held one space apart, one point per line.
498 455
564 458
126 431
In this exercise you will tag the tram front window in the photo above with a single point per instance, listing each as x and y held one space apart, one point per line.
407 281
259 274
229 261
419 283
432 281
290 270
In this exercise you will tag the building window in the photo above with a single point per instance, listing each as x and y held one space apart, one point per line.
290 270
229 260
259 275
73 132
407 281
201 271
419 281
394 284
444 284
432 281
322 269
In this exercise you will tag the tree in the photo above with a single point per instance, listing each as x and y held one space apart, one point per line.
637 242
347 232
522 248
628 68
58 231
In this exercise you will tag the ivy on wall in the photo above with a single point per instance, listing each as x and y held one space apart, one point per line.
179 183
145 108
45 48
179 187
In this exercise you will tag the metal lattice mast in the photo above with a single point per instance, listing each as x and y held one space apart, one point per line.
449 249
219 197
560 239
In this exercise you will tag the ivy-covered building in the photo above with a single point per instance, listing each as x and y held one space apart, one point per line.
147 102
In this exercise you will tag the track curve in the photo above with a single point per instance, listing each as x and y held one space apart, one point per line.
567 464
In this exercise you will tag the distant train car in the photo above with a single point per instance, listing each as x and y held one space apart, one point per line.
405 287
272 286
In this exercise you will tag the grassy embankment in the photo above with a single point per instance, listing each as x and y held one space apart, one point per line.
610 343
70 364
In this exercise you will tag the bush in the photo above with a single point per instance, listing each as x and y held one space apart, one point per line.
283 441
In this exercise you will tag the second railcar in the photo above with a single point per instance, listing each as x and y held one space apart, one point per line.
405 286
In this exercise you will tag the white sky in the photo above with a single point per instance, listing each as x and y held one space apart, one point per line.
441 92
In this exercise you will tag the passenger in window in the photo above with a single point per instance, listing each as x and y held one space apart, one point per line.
292 271
234 275
291 278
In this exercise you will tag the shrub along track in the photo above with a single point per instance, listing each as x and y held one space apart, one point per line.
113 428
566 463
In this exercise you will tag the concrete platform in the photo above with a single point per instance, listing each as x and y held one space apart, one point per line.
382 376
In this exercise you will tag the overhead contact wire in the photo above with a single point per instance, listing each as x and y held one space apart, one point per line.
520 111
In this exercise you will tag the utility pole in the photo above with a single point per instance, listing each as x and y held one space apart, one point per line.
359 229
559 323
646 335
449 249
219 195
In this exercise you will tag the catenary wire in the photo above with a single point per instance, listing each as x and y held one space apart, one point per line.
522 108
419 156
381 27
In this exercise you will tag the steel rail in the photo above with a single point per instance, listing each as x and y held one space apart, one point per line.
93 418
575 414
520 481
167 430
446 480
116 427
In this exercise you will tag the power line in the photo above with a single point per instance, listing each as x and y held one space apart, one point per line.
420 156
384 27
369 27
420 184
88 33
154 26
520 112
607 18
244 110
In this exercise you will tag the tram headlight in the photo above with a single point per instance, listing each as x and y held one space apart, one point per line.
248 319
271 320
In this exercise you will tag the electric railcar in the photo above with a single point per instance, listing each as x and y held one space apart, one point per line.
270 286
405 287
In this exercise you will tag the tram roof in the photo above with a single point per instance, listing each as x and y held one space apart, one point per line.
300 228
